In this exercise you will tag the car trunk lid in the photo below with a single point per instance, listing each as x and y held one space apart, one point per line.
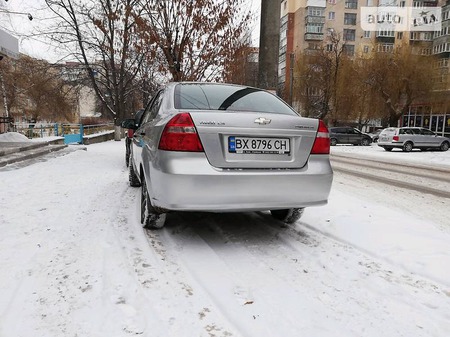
238 140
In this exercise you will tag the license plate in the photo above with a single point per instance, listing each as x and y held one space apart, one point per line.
258 145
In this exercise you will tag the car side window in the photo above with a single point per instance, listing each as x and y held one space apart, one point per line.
405 132
415 131
153 109
427 132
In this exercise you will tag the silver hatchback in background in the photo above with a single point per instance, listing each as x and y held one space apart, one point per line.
225 148
409 138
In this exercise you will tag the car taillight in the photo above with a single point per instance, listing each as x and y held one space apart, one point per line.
396 138
322 141
180 134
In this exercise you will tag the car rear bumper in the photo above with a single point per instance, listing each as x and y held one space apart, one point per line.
390 144
187 182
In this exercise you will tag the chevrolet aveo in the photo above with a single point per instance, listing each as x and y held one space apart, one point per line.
227 148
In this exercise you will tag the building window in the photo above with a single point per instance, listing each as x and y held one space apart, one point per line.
443 63
367 34
315 28
333 2
399 35
313 46
366 49
349 34
315 11
402 4
385 47
312 91
385 33
352 4
350 19
331 15
428 36
349 49
329 47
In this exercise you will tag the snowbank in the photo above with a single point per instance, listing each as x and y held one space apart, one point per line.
13 137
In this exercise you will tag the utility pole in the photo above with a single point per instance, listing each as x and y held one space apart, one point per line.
291 77
269 44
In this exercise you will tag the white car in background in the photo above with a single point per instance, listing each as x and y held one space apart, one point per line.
409 138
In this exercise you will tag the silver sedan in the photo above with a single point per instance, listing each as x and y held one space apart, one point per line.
227 148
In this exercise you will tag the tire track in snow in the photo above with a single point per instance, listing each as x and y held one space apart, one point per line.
238 259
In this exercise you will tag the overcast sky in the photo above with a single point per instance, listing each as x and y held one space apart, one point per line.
32 44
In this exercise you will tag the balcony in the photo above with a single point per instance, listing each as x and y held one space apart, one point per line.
315 19
313 37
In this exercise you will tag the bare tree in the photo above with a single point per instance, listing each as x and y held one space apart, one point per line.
317 74
101 35
193 39
400 78
39 94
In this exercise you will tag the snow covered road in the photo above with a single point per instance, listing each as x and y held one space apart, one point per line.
75 261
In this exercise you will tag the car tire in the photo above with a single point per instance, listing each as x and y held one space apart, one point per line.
365 142
127 158
333 141
150 219
407 147
288 216
127 152
132 177
387 148
444 146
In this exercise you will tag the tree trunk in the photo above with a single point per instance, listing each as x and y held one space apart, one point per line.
117 132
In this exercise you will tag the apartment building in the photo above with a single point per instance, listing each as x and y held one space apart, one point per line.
306 25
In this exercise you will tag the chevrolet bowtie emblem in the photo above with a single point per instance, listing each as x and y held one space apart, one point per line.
262 120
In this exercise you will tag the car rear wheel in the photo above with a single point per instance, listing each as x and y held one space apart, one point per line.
132 177
288 216
149 217
365 142
407 147
333 141
127 152
127 157
444 146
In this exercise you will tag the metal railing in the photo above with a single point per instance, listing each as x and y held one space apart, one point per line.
31 130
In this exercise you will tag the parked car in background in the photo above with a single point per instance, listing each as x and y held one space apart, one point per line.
226 148
409 138
130 134
348 135
375 135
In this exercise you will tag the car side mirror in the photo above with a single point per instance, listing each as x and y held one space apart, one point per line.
129 124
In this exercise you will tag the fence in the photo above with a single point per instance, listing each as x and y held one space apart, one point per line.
5 123
49 130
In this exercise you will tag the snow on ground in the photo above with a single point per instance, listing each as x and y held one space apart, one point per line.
75 261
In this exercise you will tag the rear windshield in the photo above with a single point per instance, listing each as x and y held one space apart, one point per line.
228 97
